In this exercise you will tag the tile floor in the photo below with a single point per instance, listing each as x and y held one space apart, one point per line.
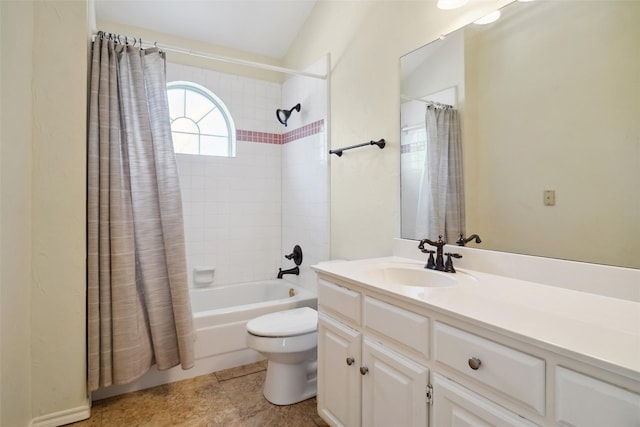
226 398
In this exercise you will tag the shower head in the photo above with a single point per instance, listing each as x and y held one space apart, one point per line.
283 115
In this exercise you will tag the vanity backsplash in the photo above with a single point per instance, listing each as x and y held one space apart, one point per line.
605 280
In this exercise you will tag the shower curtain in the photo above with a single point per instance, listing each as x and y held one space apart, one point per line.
138 310
441 194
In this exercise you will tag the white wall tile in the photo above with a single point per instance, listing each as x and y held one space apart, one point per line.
243 214
305 216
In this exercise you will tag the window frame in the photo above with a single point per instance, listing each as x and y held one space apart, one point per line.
217 104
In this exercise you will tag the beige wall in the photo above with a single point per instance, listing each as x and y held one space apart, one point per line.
43 209
365 40
15 212
58 197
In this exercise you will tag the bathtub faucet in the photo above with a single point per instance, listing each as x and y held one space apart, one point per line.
295 270
296 256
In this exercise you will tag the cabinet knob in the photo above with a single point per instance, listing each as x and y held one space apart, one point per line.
474 363
364 370
350 361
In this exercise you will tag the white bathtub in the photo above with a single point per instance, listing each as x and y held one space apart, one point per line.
220 315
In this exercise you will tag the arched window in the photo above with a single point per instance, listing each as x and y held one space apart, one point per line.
200 122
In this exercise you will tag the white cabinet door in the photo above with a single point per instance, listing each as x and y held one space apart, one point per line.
338 373
457 406
394 388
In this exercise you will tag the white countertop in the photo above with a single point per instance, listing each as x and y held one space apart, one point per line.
601 329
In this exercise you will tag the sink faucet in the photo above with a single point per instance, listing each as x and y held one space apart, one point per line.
295 270
462 241
439 263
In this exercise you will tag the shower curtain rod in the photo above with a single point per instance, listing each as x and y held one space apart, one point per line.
413 127
426 101
214 57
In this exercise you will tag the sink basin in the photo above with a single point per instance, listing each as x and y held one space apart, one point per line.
410 276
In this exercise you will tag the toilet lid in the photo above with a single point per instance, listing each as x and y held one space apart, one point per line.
285 323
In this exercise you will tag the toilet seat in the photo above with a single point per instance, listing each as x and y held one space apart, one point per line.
288 323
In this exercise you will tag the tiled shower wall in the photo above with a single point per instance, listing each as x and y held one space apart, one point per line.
234 208
305 173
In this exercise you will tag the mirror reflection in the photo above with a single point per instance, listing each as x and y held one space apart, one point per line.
548 105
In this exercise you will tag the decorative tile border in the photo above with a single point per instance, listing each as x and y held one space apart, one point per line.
275 138
304 131
264 137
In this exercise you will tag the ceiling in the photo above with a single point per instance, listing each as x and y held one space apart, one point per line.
265 27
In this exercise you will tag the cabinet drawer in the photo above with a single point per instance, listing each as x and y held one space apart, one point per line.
401 325
339 301
508 371
586 401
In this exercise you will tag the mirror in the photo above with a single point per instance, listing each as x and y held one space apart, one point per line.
549 104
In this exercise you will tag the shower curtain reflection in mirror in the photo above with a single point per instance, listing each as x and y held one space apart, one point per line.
440 201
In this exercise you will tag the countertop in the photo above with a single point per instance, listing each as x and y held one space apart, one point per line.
603 330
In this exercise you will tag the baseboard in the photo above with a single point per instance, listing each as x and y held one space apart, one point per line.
63 417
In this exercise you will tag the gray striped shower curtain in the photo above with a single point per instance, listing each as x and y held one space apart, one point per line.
441 207
138 310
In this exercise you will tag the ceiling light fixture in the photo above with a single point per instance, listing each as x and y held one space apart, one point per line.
488 19
451 4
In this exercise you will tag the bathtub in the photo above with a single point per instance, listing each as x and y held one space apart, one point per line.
220 316
221 313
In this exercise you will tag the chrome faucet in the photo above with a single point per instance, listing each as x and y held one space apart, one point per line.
439 263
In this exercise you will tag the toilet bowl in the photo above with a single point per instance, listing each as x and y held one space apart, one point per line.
289 341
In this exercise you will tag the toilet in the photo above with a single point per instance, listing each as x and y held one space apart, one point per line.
289 340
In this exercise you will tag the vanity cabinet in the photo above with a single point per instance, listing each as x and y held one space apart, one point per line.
361 380
384 360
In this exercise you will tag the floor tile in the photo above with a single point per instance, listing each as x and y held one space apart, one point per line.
229 398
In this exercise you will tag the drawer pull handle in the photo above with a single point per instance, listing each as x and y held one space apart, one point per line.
364 370
474 363
350 361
